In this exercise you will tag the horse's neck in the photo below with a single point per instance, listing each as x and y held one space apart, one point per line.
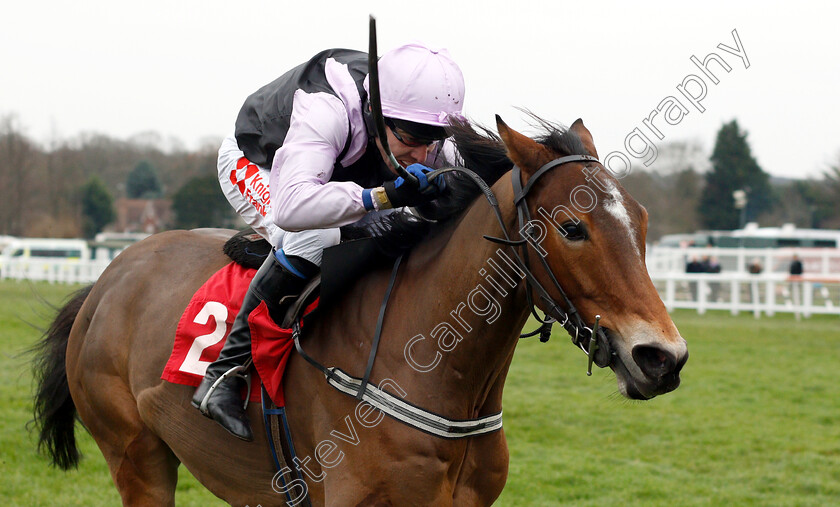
452 321
470 307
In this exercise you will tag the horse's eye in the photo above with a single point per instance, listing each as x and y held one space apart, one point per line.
573 231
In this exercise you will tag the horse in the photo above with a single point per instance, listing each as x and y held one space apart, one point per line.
448 339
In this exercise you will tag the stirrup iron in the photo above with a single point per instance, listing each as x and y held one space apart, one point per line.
237 371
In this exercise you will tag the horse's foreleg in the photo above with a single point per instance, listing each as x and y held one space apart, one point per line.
484 471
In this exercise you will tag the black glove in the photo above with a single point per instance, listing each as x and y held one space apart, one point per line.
402 194
398 193
393 233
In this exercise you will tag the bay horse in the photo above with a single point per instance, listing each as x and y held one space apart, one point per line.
447 342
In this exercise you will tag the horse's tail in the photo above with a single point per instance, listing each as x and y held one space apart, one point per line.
54 411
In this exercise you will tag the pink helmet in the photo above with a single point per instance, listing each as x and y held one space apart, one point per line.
420 84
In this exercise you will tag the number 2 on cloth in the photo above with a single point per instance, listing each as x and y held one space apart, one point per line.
192 362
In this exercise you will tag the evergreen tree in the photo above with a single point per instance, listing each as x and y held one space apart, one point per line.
822 198
200 203
733 168
143 182
97 207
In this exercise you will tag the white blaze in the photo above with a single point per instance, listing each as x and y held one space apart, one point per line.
615 207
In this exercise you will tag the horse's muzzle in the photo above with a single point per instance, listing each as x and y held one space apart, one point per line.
661 369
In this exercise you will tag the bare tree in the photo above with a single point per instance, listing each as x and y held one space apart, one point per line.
17 161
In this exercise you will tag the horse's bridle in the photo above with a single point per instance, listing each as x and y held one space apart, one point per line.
599 351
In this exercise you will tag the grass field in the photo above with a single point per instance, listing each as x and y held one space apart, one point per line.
755 422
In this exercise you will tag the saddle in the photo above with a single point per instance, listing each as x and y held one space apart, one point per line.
365 245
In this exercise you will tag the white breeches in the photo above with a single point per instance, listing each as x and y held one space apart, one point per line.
246 187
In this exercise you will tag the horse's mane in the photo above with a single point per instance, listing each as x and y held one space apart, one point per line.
483 152
479 150
558 138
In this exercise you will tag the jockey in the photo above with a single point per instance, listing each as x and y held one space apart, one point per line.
305 160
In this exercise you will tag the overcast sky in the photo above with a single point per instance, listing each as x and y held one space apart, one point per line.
183 68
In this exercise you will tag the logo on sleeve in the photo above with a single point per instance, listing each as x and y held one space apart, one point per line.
247 178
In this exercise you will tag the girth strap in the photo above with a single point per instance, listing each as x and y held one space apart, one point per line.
279 434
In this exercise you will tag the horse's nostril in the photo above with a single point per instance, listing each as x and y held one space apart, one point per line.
653 361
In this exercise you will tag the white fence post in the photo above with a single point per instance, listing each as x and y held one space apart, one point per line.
770 296
702 287
735 297
755 299
807 298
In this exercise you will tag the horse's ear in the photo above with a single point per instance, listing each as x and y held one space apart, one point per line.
585 136
526 153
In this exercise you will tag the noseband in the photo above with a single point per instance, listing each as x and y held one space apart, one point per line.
598 350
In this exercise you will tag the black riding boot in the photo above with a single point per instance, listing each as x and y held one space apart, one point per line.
223 402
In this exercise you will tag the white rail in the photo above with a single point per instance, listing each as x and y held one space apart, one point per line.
53 270
766 293
816 261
